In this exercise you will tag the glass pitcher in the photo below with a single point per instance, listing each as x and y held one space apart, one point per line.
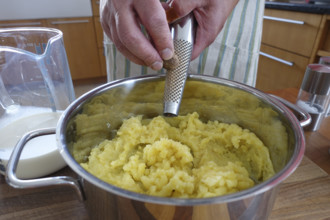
35 87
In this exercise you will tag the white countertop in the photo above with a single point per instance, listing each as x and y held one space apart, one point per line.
39 9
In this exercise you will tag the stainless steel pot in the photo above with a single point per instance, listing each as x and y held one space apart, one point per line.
213 99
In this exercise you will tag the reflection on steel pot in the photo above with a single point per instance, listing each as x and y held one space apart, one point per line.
213 99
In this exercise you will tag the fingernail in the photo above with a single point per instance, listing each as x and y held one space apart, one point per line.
166 54
156 65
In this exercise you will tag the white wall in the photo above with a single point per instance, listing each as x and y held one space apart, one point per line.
35 9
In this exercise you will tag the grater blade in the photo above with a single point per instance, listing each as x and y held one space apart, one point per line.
183 36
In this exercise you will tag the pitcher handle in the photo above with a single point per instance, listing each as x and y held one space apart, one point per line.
15 182
302 115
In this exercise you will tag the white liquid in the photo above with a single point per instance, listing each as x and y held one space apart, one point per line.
13 132
15 112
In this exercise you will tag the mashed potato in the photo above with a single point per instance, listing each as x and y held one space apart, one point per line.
180 157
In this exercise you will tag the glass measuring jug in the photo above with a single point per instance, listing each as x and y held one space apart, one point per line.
35 87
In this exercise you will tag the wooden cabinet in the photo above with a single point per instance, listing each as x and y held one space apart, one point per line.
289 43
96 8
99 35
23 23
322 44
80 44
80 40
99 39
295 32
278 74
99 32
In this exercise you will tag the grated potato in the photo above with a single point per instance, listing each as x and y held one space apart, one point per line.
181 157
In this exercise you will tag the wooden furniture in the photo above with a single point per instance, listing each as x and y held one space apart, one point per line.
82 41
304 195
99 35
23 23
290 41
80 45
322 43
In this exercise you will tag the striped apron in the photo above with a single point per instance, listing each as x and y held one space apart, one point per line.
233 55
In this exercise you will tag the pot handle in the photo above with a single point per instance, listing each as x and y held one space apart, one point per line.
15 182
302 115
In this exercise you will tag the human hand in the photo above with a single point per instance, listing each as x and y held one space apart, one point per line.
210 16
121 21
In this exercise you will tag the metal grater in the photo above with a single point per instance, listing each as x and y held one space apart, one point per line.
183 39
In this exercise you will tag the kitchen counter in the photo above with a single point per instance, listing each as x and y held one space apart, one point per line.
299 7
304 195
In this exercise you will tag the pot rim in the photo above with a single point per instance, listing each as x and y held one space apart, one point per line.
279 177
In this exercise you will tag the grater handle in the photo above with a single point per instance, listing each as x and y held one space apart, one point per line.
183 33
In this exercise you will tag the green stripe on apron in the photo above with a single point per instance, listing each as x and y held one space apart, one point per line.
237 41
127 67
252 44
223 46
114 70
206 52
144 70
202 61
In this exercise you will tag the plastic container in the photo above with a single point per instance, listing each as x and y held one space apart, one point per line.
35 87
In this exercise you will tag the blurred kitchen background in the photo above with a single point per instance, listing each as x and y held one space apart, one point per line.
295 34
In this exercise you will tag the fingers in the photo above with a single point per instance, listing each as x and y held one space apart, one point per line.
155 22
183 8
210 21
105 18
124 49
122 21
108 22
